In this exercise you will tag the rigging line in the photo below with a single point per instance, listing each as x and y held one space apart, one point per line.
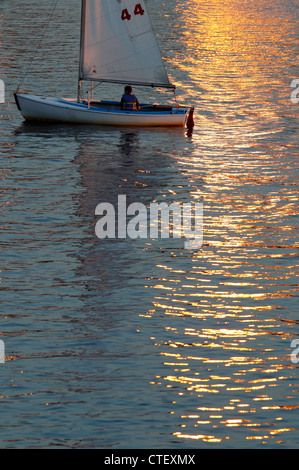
175 99
38 46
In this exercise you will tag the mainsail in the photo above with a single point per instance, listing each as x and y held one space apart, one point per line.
118 44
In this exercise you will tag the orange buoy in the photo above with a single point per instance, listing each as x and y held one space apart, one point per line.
190 120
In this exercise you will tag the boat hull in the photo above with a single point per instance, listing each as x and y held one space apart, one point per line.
39 108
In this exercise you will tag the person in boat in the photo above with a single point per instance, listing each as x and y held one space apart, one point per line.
129 101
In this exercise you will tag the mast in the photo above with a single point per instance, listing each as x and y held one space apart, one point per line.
83 13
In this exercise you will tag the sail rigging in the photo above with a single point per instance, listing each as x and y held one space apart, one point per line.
118 44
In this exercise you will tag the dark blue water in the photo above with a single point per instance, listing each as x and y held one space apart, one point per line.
142 343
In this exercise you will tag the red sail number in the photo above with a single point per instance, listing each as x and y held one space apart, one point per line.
125 15
138 10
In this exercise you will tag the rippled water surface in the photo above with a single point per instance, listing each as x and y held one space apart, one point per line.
143 343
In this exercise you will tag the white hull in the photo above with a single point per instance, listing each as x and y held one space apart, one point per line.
102 113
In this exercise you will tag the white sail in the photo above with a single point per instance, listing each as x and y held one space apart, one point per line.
118 44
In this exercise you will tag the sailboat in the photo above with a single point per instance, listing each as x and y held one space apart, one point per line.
118 45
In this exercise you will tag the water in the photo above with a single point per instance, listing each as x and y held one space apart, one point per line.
142 343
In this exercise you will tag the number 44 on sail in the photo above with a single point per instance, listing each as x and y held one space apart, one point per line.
137 11
117 45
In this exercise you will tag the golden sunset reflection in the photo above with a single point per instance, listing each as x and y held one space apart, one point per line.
233 41
235 337
225 340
